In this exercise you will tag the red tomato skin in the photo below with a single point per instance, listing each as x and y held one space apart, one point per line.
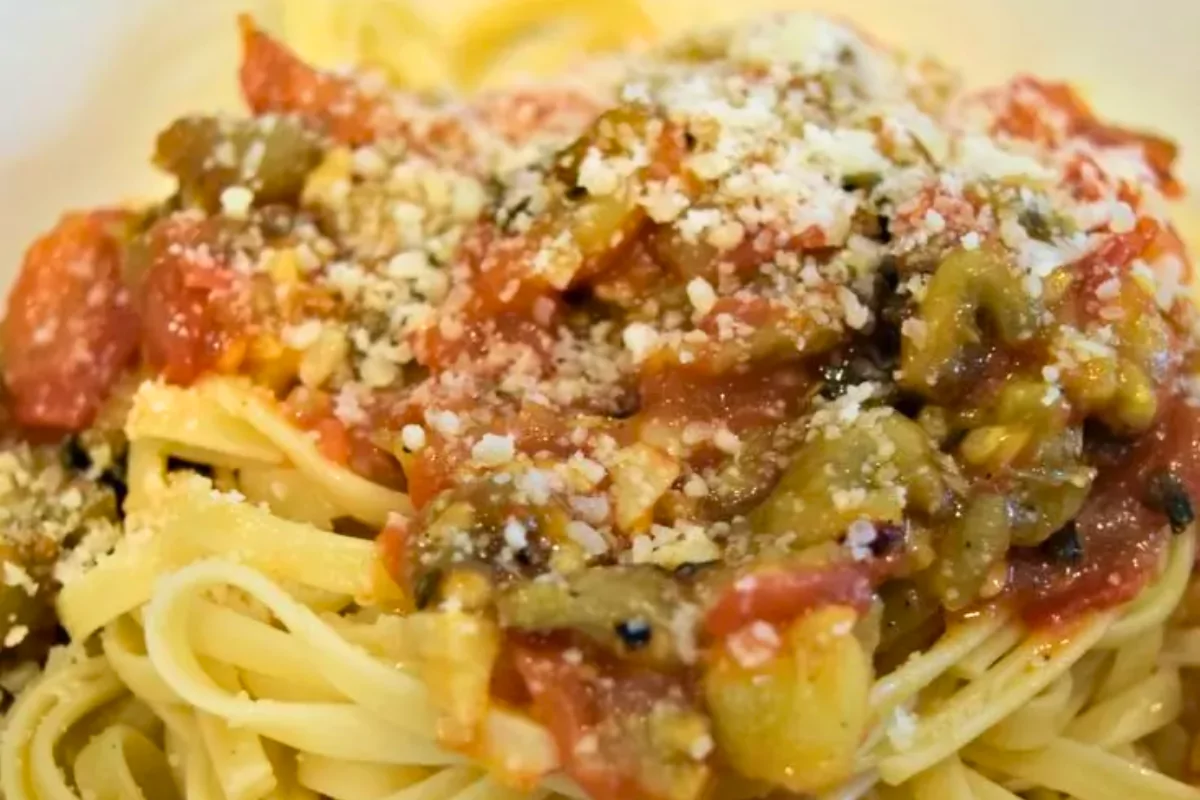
195 308
70 327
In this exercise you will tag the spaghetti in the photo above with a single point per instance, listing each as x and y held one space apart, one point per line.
759 414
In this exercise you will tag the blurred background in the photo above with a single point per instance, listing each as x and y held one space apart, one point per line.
86 84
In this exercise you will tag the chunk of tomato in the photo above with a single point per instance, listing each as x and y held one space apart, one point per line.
70 328
195 308
563 702
275 80
600 719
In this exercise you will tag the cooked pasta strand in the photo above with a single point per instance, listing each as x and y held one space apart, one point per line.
1082 771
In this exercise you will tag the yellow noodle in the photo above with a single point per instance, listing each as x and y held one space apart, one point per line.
1082 771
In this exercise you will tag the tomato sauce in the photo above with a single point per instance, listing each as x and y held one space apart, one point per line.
438 465
520 114
1111 258
433 470
395 546
1122 537
741 399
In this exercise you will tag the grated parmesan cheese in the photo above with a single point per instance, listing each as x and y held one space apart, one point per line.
494 450
236 202
412 437
587 537
701 295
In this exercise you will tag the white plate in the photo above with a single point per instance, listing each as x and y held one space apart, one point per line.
85 84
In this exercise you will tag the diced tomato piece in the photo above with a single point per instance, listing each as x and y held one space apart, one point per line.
70 327
275 80
585 705
501 302
563 702
776 594
195 308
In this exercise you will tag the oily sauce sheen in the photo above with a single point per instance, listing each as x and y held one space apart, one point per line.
684 377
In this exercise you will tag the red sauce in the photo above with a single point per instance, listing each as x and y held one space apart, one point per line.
437 466
1122 539
1084 178
520 114
1025 116
638 274
71 327
779 594
742 399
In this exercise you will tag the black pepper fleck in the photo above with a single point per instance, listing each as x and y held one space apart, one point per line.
635 633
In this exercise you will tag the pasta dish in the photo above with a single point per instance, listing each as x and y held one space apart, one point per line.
756 414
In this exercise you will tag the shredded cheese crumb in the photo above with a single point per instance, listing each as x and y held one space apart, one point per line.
236 201
493 450
412 437
587 537
640 339
754 645
700 293
515 535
